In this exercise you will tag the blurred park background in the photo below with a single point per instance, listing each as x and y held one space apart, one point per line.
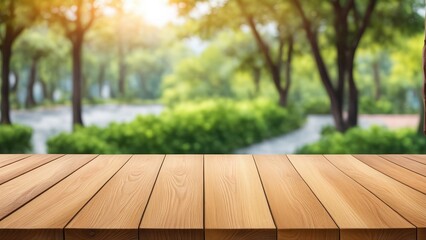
211 76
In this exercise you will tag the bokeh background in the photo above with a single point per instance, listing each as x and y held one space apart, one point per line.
211 76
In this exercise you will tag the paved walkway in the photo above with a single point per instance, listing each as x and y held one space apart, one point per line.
289 143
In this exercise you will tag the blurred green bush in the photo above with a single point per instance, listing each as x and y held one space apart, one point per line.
316 106
371 106
15 139
374 140
215 126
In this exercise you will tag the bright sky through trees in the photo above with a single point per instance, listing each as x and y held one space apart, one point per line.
156 12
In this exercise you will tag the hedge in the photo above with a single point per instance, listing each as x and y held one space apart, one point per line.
215 126
15 139
374 140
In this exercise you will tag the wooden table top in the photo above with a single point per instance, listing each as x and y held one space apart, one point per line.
132 197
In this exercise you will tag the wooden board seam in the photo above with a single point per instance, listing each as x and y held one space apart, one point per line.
36 196
266 196
61 155
372 192
338 227
84 205
408 157
18 160
150 194
396 179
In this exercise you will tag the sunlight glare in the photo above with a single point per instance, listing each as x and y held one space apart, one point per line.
156 12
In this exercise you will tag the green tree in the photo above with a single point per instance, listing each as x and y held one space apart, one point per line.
76 17
276 46
344 24
15 17
34 45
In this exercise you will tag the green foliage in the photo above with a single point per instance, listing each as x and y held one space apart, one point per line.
375 140
15 139
370 106
316 106
215 126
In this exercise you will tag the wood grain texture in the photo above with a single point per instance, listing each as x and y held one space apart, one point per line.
417 157
294 219
20 167
172 234
235 204
397 172
351 205
22 189
176 202
6 159
51 211
356 234
240 234
407 163
116 210
409 203
308 234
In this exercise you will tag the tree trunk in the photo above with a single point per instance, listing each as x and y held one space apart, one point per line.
77 80
288 70
101 77
29 101
424 86
257 73
44 89
122 71
377 80
15 86
6 52
352 120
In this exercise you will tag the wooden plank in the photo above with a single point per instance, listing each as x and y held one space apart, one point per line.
397 172
20 167
409 203
297 212
175 209
417 157
6 159
46 216
358 213
116 211
24 188
406 163
235 204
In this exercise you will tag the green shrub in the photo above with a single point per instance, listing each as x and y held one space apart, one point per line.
374 140
219 126
370 106
316 106
15 139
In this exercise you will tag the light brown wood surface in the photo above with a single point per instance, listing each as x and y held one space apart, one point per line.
22 189
176 202
116 210
407 163
408 202
20 167
235 204
417 157
50 212
303 219
6 159
212 197
395 171
349 204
